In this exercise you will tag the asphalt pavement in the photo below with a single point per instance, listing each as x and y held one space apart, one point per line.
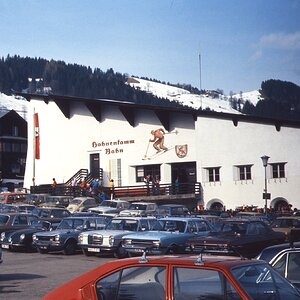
30 276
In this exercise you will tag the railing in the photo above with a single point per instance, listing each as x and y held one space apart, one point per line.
82 173
124 191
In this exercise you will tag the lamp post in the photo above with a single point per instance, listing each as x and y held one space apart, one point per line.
265 159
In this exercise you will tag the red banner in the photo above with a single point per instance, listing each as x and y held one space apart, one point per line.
37 136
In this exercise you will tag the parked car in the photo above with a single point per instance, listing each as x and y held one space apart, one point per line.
22 239
57 201
7 208
65 237
15 221
178 278
36 199
24 208
109 240
51 214
252 215
244 237
79 204
286 225
172 210
10 198
140 209
168 235
113 206
284 258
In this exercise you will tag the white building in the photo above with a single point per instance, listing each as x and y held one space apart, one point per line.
221 151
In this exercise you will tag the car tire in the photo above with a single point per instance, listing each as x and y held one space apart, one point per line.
42 251
173 249
86 252
120 252
70 248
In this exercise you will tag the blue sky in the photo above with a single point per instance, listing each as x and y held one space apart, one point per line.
241 42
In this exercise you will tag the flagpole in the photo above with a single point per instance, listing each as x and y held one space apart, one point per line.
34 149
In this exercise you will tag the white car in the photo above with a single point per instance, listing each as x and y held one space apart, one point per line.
140 209
110 207
80 204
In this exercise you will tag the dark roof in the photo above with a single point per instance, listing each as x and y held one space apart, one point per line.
129 109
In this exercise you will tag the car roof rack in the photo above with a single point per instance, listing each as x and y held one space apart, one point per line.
143 259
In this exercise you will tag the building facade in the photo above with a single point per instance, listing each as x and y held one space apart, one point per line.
129 141
13 149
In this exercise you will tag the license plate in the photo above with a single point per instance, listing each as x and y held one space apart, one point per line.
138 250
93 249
5 246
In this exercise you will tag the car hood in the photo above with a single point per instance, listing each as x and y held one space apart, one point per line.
26 231
107 232
131 212
55 232
154 235
103 209
72 207
219 237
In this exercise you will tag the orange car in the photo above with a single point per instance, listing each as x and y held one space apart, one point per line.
178 278
10 198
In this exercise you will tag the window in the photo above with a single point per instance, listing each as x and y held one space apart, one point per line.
16 147
213 174
244 172
145 283
15 131
202 284
6 147
278 170
142 171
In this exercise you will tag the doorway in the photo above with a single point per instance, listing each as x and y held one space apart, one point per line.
95 165
184 177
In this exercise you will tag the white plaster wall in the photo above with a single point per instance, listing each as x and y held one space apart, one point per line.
66 145
227 146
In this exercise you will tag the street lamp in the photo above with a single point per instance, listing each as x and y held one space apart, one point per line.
265 159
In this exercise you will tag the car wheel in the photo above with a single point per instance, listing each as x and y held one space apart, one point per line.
70 248
173 250
86 252
120 252
42 251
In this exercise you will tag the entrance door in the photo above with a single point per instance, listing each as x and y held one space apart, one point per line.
184 174
95 165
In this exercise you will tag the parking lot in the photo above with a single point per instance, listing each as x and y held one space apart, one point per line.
29 276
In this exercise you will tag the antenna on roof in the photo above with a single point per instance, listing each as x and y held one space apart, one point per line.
200 79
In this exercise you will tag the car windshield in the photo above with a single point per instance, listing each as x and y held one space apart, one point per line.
234 227
109 203
138 206
70 224
75 201
4 219
40 224
123 224
169 225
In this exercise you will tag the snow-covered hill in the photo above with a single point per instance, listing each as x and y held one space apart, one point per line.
15 103
219 104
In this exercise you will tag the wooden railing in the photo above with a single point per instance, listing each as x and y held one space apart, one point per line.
124 191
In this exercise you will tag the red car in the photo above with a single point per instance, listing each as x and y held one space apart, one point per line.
178 278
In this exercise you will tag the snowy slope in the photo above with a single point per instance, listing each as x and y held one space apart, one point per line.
184 97
15 103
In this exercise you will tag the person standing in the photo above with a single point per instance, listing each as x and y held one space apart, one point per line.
112 188
147 180
53 186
